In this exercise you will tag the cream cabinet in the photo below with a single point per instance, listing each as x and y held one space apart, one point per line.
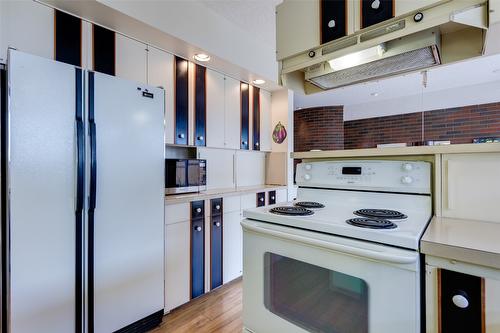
250 168
232 238
177 264
265 121
130 59
27 26
220 167
471 186
215 83
232 113
161 74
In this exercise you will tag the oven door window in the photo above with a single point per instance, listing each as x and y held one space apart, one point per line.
315 298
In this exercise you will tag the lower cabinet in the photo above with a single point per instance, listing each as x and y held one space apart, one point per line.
216 225
197 249
232 260
177 264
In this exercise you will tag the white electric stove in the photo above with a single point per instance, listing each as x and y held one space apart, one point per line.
344 256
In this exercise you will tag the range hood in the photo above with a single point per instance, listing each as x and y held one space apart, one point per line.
450 31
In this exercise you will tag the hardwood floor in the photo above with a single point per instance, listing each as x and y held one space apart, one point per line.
217 311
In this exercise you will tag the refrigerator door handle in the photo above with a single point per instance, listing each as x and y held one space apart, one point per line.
93 166
92 203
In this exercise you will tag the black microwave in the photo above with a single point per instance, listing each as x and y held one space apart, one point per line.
185 175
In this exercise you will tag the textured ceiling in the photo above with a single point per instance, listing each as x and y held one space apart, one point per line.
257 16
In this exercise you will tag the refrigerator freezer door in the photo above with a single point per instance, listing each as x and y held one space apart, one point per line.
128 226
42 184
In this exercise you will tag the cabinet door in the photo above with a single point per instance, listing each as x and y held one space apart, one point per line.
197 257
265 121
200 107
333 20
130 59
470 186
215 109
255 118
217 160
232 260
245 116
181 101
68 38
103 51
26 26
216 252
376 11
177 269
161 74
250 168
232 113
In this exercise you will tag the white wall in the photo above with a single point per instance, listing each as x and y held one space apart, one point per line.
448 98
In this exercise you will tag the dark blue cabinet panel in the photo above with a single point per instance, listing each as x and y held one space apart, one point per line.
197 249
181 101
68 38
371 15
103 50
271 199
245 115
200 106
216 243
333 20
261 199
256 118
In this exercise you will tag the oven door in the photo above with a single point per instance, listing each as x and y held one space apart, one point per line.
300 281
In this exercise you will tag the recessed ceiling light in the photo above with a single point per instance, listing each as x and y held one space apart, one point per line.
258 81
374 94
201 57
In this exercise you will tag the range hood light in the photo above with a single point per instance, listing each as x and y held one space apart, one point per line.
358 58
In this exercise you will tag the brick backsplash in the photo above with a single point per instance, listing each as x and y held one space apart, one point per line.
319 128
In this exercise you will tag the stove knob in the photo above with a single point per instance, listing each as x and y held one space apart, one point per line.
407 167
308 166
307 176
406 180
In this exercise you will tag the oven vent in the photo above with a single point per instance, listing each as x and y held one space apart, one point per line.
387 29
338 45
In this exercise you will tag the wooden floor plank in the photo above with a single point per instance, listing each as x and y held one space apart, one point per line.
218 311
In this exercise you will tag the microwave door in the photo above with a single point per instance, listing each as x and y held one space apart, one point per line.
175 176
193 174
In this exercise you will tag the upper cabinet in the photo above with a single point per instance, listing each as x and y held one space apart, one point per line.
161 74
181 101
130 59
215 109
333 20
376 11
232 114
255 118
103 50
68 38
27 26
200 105
245 116
265 121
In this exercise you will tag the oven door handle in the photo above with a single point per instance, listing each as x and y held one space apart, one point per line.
356 251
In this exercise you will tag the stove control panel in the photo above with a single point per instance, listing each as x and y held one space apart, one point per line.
377 175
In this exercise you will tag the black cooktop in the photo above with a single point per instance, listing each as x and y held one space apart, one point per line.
291 211
371 223
381 214
309 204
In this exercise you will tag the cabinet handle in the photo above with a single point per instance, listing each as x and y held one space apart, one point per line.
272 198
197 228
257 144
217 207
460 299
181 136
244 142
261 199
198 210
217 224
200 138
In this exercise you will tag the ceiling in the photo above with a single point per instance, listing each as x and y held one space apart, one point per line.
461 74
257 16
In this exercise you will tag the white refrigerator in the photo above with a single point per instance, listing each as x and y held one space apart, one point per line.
85 200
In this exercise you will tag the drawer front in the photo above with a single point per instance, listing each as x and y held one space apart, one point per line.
232 204
197 257
197 209
462 302
216 252
216 207
271 197
261 199
177 213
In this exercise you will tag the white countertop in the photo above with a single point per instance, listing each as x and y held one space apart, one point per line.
475 242
209 194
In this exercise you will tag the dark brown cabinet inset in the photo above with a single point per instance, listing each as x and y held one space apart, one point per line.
376 11
333 20
216 243
200 106
103 50
461 302
197 248
261 199
245 116
181 101
68 38
256 118
271 199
